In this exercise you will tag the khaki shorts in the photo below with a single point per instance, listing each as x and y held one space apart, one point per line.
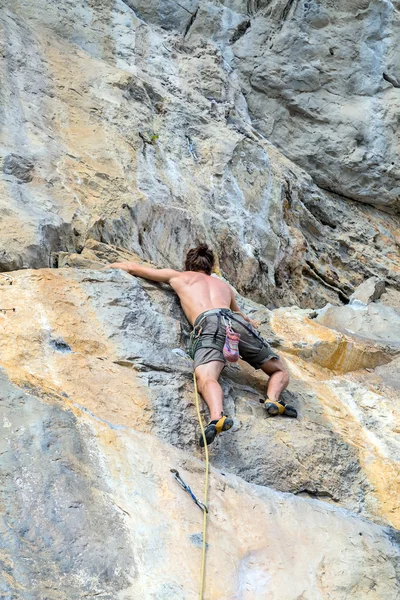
252 347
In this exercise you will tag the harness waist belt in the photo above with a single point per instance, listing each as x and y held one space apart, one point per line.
212 311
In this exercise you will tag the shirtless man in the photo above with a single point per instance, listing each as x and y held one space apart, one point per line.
209 304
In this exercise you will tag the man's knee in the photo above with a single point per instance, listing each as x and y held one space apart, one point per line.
281 368
276 366
286 375
203 381
208 373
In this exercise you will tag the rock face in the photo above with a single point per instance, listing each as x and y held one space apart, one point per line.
94 512
370 290
131 130
374 321
97 406
322 81
129 123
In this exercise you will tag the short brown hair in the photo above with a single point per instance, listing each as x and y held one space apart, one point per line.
200 258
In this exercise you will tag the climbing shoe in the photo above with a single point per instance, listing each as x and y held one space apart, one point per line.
279 408
214 428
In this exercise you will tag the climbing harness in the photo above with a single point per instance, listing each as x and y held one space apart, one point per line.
205 510
197 341
187 489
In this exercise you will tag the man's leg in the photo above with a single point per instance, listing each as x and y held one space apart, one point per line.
207 382
278 381
278 377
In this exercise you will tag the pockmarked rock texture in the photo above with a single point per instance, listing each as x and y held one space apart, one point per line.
98 405
131 123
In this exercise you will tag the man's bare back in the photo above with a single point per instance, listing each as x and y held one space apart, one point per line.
199 292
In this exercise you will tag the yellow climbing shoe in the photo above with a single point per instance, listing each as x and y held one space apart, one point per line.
214 428
274 408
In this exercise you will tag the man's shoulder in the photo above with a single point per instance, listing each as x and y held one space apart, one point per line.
218 281
177 277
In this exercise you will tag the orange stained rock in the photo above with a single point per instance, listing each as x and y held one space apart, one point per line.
374 457
334 394
253 532
51 305
330 349
95 152
345 416
393 257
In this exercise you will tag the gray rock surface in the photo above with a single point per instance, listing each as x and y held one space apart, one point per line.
19 167
375 322
321 83
136 119
56 508
131 130
320 80
369 291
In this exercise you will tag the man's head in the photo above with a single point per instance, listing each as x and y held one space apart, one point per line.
200 258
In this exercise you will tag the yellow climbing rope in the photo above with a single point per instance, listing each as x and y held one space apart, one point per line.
203 559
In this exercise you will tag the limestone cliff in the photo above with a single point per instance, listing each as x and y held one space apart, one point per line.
134 130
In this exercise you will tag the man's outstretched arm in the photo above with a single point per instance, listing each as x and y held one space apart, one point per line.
162 275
